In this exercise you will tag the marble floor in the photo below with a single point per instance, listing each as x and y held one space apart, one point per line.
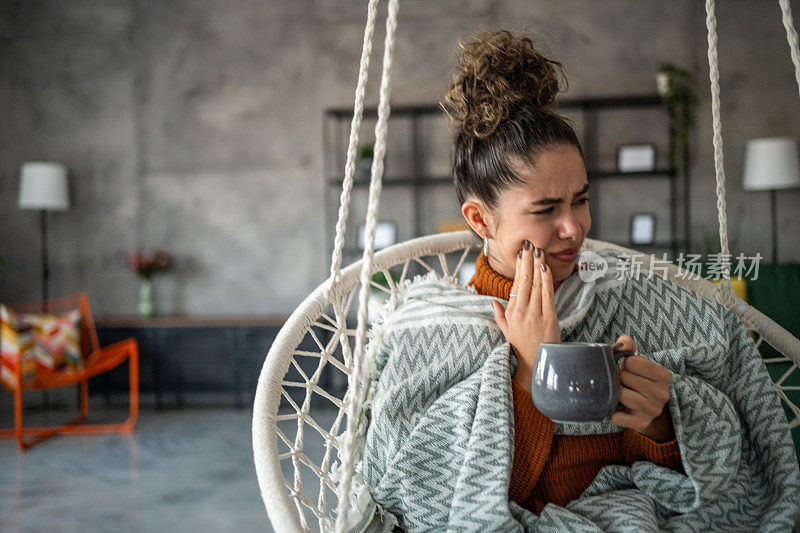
182 470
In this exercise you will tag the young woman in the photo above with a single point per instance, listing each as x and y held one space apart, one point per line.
521 179
453 439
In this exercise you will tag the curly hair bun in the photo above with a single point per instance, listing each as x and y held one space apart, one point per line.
497 72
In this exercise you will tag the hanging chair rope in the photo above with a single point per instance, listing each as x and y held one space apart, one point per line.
726 294
350 166
354 379
725 288
791 37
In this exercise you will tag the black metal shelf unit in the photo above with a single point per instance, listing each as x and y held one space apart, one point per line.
336 131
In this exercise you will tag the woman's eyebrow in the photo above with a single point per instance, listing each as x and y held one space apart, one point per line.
551 201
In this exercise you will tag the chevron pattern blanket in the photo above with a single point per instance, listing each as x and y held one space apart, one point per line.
438 423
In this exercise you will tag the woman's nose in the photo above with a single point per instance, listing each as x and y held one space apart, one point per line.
569 228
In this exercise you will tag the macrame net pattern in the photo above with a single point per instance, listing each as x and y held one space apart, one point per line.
313 359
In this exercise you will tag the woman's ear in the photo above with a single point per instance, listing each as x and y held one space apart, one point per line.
477 217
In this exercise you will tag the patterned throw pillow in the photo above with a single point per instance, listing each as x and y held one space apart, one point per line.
44 343
15 340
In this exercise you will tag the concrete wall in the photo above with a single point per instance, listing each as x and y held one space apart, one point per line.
197 125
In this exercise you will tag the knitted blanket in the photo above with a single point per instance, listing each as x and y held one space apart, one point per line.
438 423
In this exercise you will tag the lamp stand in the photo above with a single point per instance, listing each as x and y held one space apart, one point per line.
774 226
45 275
45 260
46 405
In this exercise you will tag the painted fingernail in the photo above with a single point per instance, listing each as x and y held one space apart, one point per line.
526 244
519 254
537 252
544 267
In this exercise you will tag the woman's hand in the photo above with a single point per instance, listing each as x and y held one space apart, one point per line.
530 317
644 391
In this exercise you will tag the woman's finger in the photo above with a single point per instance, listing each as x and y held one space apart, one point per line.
647 369
656 392
635 421
548 298
536 285
500 316
627 344
525 275
516 281
636 402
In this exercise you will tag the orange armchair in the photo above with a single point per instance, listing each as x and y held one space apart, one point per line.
96 360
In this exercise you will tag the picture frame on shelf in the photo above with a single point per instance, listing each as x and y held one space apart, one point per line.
385 234
643 228
640 157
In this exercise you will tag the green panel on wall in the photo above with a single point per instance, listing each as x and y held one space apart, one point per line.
776 293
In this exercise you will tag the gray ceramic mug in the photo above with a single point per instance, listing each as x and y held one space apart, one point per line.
576 381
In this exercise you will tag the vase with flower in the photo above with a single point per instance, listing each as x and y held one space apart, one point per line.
145 266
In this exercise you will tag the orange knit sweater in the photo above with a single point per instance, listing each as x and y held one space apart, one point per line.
558 468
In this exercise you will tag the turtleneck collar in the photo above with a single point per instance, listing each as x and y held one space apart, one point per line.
489 282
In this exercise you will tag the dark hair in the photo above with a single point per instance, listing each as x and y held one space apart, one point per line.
498 104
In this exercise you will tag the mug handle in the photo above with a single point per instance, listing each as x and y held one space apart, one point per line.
617 356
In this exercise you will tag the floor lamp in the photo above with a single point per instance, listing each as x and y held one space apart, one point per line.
771 164
43 186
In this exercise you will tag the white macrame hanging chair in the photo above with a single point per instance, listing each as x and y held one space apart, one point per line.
288 476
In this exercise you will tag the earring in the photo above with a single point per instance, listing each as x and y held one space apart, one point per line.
485 246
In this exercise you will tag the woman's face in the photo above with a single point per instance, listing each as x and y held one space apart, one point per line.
550 210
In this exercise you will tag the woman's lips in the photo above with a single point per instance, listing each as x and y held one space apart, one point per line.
565 258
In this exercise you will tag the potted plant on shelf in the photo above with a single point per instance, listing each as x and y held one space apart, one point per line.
145 266
365 154
675 86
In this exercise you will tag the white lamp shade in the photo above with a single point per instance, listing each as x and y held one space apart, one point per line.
43 186
771 163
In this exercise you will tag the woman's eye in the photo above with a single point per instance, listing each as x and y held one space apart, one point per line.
550 209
